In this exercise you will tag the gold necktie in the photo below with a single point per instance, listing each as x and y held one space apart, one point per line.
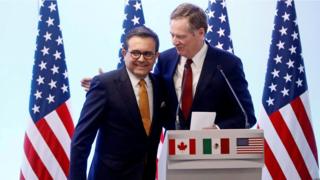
144 106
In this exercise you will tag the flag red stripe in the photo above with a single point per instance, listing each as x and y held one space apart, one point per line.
21 176
162 136
64 114
251 149
34 160
54 145
157 170
192 146
305 124
172 147
225 146
290 145
272 163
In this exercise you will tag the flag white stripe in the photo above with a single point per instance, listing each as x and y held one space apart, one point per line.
305 101
161 143
251 148
265 174
27 170
277 147
301 141
159 150
44 152
68 104
59 130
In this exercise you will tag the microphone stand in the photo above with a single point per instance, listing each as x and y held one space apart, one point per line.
236 97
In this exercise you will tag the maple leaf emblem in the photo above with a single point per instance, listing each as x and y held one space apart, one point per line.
182 146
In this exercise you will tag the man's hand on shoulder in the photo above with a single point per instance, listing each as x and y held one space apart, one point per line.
85 82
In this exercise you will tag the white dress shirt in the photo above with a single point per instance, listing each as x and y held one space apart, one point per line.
135 85
196 66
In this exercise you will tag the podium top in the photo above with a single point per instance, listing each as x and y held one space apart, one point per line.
215 144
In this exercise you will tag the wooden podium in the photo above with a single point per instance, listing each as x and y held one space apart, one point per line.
212 154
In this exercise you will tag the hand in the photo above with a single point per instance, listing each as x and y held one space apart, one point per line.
101 71
85 82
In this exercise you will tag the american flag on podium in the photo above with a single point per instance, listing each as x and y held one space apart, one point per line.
290 146
218 33
133 17
48 136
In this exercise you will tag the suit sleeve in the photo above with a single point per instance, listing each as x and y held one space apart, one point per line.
239 83
86 129
157 68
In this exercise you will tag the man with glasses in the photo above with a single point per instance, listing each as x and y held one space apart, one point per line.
125 108
193 79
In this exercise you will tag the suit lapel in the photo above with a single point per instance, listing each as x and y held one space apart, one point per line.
209 68
155 87
171 87
156 101
127 93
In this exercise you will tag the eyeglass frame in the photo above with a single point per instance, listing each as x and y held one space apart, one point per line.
136 54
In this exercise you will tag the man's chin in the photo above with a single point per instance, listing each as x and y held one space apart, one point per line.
180 51
141 74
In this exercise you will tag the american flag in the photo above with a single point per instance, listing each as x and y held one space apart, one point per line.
290 148
252 145
218 33
133 17
48 136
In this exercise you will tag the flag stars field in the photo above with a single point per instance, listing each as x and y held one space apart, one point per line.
43 65
135 20
218 33
52 7
133 17
59 41
50 22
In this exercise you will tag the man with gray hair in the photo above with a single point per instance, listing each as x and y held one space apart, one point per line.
193 78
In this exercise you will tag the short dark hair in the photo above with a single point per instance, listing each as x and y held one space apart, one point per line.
196 16
144 32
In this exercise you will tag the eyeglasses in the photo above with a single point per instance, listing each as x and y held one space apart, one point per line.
148 55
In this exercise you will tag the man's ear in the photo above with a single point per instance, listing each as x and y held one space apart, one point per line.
157 55
123 52
202 32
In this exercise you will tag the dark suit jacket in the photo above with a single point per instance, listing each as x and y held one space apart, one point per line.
212 93
123 150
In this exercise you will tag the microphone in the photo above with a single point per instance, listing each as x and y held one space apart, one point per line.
235 96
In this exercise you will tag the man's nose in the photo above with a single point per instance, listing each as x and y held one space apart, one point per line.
175 41
141 58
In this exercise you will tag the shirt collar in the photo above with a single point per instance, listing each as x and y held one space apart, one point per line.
198 59
135 80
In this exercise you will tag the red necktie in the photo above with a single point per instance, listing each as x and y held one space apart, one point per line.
186 96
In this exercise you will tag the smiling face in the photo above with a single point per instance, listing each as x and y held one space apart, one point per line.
187 42
140 66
